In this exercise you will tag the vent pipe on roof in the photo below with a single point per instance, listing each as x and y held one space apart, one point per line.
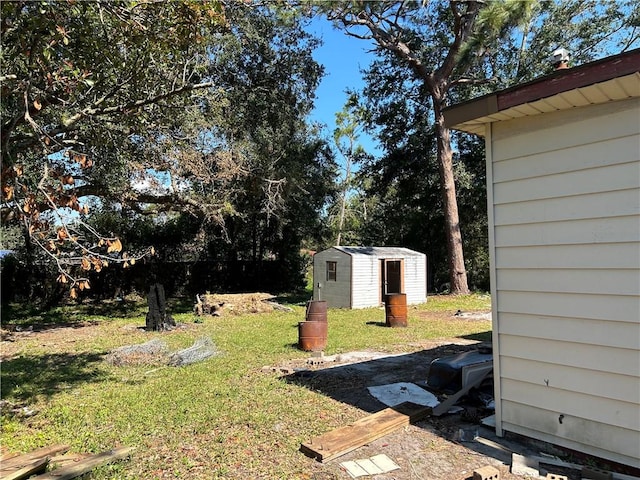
560 59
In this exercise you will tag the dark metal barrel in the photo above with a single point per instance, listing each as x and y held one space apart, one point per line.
316 311
312 336
395 307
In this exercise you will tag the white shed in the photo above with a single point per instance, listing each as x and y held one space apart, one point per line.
359 277
563 185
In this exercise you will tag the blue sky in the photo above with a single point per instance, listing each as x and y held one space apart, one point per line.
342 57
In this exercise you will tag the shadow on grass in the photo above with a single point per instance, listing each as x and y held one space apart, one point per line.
377 324
299 298
73 316
27 377
480 337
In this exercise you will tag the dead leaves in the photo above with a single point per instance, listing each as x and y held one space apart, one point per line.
114 246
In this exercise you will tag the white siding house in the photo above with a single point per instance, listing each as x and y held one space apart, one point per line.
563 180
359 277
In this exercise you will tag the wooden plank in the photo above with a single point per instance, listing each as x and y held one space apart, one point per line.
345 439
21 460
83 466
451 401
36 466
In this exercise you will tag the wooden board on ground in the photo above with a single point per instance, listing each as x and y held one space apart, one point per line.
20 473
15 462
83 466
345 439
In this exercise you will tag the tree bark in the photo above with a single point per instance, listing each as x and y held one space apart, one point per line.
457 270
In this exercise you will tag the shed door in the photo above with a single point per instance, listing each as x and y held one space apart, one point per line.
391 277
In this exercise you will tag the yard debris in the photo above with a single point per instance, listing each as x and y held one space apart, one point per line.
9 408
466 434
591 473
17 467
346 439
521 465
397 393
156 352
369 466
86 465
148 353
236 304
486 473
26 470
201 349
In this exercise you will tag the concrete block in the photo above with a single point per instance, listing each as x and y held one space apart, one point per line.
486 473
521 465
554 476
591 473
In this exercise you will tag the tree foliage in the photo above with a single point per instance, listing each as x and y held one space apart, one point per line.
431 54
156 109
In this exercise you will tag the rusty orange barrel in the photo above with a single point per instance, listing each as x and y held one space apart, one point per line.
395 307
316 311
312 336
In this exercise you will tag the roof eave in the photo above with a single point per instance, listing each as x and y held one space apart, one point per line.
471 116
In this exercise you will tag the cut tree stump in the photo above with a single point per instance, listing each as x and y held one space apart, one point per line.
346 439
157 318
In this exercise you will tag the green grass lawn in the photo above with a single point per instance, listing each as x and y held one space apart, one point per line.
221 418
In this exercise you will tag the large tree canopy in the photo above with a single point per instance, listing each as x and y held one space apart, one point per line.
431 54
154 108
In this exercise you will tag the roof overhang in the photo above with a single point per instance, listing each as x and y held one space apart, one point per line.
612 78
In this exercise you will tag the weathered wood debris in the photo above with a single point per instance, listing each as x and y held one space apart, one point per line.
238 304
65 467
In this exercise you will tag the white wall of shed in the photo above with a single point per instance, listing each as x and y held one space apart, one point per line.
564 212
365 275
415 279
337 294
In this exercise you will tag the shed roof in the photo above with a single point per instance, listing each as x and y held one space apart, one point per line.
611 78
379 251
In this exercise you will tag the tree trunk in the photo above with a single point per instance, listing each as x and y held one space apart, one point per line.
157 317
457 271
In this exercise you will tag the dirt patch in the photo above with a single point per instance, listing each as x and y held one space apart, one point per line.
446 447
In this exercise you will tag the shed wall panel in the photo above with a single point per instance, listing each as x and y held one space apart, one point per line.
565 199
338 293
366 281
415 279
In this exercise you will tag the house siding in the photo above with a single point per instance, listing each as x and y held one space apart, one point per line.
565 211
